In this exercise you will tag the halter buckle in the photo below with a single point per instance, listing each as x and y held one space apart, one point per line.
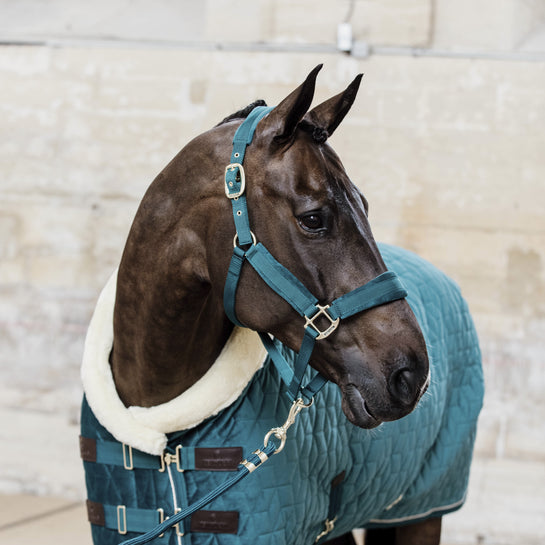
230 191
322 311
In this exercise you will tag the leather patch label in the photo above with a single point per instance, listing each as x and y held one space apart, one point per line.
87 449
95 513
218 459
215 522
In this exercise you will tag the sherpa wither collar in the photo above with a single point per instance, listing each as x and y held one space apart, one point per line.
145 428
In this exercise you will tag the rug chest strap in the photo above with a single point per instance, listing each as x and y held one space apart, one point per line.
128 519
183 459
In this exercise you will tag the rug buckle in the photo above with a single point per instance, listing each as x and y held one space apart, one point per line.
161 513
329 525
122 519
127 456
179 533
167 458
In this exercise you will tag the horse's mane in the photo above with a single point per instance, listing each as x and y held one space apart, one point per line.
319 134
244 113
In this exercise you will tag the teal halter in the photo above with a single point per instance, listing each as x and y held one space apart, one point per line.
382 289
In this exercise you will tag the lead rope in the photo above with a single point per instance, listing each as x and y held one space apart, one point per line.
255 460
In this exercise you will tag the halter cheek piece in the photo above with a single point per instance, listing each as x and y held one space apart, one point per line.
382 289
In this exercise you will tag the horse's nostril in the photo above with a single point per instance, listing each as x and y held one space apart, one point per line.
403 386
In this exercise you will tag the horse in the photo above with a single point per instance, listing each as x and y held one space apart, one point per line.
180 359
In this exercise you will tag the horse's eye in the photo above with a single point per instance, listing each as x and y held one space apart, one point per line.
312 222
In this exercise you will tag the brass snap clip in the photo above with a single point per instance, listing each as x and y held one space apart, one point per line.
281 432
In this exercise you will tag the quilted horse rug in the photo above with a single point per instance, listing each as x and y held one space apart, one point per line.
144 464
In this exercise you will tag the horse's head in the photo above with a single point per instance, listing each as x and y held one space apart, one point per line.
312 218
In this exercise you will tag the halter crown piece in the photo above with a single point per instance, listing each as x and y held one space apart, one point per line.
382 289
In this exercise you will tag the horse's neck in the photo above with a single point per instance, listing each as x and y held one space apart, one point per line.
163 343
169 325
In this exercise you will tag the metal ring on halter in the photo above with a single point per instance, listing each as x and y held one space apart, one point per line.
322 311
235 240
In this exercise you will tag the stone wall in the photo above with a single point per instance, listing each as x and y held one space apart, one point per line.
445 140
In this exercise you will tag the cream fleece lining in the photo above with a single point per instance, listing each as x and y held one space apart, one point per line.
145 428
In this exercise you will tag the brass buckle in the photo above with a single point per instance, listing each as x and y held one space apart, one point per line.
167 459
329 525
177 526
161 512
322 311
127 456
230 185
122 519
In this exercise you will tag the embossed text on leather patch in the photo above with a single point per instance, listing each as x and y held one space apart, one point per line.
215 522
87 449
218 459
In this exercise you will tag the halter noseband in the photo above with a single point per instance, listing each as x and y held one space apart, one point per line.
382 289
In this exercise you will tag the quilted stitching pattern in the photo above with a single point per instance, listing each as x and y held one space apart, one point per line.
423 458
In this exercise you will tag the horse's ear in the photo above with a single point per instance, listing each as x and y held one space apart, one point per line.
285 117
329 114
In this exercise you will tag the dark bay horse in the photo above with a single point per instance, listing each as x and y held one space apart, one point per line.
169 321
310 216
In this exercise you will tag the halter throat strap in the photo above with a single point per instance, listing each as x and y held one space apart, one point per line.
382 289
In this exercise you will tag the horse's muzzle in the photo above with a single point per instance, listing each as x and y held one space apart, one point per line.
382 399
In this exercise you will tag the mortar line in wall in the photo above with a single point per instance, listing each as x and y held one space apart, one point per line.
370 50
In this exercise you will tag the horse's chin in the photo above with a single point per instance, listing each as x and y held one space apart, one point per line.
355 408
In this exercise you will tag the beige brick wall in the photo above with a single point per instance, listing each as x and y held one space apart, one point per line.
449 152
497 25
